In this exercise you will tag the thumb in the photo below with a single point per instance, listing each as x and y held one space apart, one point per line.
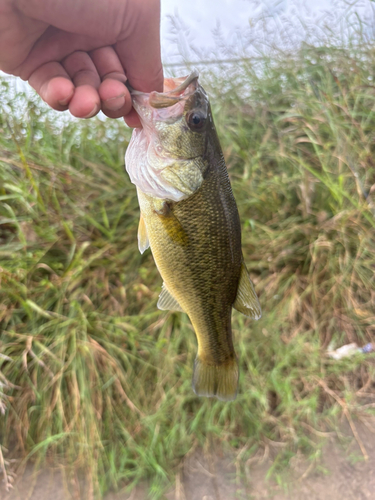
139 46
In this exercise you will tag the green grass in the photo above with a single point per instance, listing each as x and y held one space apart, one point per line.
98 380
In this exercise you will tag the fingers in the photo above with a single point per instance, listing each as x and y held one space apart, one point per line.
114 95
85 84
85 102
53 84
56 55
91 93
132 119
71 84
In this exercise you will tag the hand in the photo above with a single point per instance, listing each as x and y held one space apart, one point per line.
77 54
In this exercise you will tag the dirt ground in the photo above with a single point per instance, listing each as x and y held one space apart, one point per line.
341 473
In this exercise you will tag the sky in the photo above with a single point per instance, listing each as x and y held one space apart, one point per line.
196 20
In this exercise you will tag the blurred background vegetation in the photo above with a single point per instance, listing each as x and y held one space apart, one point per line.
95 379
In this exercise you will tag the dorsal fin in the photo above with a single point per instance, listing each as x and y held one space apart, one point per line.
167 302
143 243
247 301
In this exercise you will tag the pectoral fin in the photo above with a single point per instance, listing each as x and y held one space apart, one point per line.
171 223
167 302
247 301
143 243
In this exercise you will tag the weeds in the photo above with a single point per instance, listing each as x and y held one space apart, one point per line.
93 376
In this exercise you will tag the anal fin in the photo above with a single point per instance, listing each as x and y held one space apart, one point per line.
143 242
247 301
167 302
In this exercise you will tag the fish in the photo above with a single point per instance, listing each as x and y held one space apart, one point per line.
189 219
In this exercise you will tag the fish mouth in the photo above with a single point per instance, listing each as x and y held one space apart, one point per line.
177 89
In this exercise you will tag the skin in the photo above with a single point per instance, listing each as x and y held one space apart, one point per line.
78 54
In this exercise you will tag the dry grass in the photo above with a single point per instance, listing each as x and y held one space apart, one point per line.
93 376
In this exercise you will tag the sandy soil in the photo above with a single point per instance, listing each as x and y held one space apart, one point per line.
343 474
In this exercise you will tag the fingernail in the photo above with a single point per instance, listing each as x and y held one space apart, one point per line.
66 101
115 103
93 112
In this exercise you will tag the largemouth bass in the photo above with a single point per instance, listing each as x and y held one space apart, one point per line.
190 220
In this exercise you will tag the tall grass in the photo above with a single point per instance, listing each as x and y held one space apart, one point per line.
93 377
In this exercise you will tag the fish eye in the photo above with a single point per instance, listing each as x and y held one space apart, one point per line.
196 120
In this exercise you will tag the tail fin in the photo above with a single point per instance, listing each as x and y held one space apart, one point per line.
216 380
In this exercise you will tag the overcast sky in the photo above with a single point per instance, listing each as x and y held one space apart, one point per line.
197 19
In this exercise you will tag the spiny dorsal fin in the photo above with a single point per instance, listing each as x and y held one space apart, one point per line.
143 243
247 301
167 302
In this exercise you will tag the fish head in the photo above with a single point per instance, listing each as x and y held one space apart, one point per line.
179 118
166 158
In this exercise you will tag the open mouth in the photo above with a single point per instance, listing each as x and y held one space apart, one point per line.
175 90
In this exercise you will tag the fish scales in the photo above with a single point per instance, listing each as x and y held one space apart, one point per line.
191 223
197 272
